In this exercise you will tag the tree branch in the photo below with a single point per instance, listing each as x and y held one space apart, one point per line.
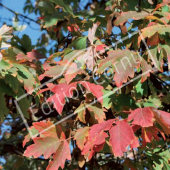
18 14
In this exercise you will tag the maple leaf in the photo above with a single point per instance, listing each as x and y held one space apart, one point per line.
73 27
5 35
47 129
150 1
52 71
81 136
81 111
43 146
61 91
64 90
145 68
167 49
135 143
148 134
142 117
145 117
90 149
110 21
151 30
121 135
28 137
33 55
153 40
92 31
96 90
122 69
97 112
89 56
72 72
41 126
130 15
163 118
97 131
157 59
60 156
96 139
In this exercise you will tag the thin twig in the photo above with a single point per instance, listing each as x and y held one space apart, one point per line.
18 14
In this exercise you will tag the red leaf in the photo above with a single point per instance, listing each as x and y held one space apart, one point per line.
28 137
145 67
33 55
73 27
135 143
142 117
72 72
124 62
53 71
163 118
90 149
96 138
130 15
151 24
41 126
101 47
43 146
153 40
41 18
61 91
148 134
95 89
162 4
70 28
97 129
59 158
121 135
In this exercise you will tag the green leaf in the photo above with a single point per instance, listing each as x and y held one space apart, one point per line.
45 5
165 8
3 109
13 82
140 89
4 65
5 88
152 102
130 5
119 102
156 57
24 103
51 20
79 43
64 5
107 102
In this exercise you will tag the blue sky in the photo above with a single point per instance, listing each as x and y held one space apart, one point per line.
18 5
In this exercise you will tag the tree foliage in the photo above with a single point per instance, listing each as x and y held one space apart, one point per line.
98 98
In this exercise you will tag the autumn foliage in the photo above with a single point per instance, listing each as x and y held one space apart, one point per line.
100 100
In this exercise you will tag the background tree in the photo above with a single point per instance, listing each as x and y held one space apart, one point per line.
102 114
